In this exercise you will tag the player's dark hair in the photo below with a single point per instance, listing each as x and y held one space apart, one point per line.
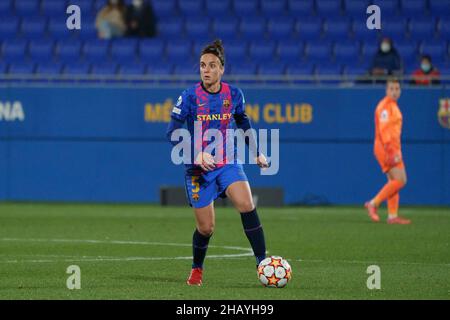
215 48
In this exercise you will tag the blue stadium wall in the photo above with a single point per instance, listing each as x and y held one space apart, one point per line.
108 144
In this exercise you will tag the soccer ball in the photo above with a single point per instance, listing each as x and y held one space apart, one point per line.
274 272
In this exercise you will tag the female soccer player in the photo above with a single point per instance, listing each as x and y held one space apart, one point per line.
387 150
215 105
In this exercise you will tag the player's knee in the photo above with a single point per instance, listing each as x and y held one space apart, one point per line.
206 229
245 206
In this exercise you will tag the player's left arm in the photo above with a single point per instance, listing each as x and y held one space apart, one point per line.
243 122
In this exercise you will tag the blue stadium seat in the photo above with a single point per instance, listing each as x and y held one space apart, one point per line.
356 8
444 28
226 28
57 29
407 51
271 68
164 8
191 8
437 49
272 8
14 50
309 28
41 49
179 50
124 50
52 8
33 27
68 50
48 68
76 68
161 69
394 28
328 69
354 70
281 28
414 8
170 27
85 6
337 29
96 50
328 7
243 68
301 8
3 67
218 8
132 68
21 68
347 52
422 28
105 68
290 51
186 69
9 27
26 8
305 69
88 31
369 49
5 8
252 27
360 31
197 28
439 8
388 7
236 50
245 8
262 50
318 51
151 49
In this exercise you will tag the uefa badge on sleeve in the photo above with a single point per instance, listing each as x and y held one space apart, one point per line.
444 112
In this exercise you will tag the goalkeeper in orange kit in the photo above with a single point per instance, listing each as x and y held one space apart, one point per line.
387 150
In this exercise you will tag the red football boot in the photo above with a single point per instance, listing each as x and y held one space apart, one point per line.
195 278
372 211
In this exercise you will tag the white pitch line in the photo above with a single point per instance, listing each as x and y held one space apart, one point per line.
374 262
247 251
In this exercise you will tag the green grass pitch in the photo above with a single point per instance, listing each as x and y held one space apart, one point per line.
143 252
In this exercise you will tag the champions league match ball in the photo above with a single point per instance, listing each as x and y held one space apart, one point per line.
274 272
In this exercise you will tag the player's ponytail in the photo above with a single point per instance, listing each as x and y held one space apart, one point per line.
216 48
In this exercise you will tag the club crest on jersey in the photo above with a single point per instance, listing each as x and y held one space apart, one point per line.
226 103
444 112
384 116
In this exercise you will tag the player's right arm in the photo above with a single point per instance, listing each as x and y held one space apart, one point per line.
178 116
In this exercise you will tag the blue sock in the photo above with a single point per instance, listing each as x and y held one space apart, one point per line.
199 247
254 232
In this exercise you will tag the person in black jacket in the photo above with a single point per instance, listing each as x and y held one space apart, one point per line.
140 19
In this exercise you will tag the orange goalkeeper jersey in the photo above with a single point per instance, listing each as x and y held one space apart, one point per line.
388 125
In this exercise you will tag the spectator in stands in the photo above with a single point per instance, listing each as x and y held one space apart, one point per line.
110 21
427 74
386 61
140 19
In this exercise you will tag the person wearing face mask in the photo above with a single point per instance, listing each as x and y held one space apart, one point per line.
427 74
140 19
110 21
386 61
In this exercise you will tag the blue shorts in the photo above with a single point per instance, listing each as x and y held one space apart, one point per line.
203 189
